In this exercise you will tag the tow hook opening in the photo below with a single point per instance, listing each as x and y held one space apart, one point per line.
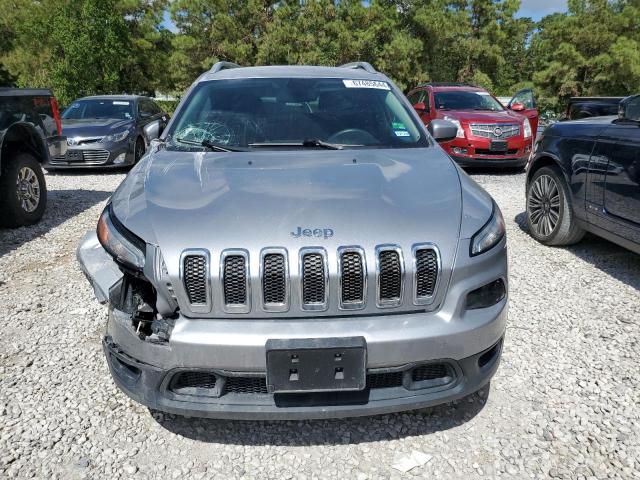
137 297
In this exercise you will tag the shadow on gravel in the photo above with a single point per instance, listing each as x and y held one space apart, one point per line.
612 259
61 206
495 171
327 432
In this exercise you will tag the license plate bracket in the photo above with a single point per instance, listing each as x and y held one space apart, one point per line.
316 364
499 146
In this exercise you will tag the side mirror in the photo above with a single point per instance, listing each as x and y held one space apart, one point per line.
420 107
517 107
629 108
442 130
152 130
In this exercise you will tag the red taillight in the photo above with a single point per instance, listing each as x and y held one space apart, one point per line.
56 115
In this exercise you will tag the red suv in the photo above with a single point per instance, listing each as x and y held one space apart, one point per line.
488 133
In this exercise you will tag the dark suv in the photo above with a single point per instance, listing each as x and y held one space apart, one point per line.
30 132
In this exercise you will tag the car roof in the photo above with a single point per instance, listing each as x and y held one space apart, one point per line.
289 71
457 88
113 97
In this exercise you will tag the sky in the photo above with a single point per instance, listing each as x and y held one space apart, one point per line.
536 9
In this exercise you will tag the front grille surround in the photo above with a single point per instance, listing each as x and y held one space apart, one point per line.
419 299
198 307
324 279
507 130
381 301
269 306
351 304
228 256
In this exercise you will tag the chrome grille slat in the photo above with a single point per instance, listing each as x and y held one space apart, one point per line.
352 274
274 277
488 130
234 277
389 275
194 272
426 272
314 278
97 156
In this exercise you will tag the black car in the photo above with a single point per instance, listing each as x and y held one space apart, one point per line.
585 107
109 130
584 175
29 137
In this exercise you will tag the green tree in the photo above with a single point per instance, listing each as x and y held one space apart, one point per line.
591 50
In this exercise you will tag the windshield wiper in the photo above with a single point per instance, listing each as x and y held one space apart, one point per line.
314 142
215 147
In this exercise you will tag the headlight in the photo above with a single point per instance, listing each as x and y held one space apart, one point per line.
457 123
527 128
489 235
115 137
120 243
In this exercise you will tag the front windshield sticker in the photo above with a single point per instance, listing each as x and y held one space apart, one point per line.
366 84
118 102
398 126
402 133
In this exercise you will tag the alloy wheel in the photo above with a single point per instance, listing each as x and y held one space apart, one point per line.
28 189
544 205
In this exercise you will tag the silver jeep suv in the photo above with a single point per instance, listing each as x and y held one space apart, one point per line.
297 245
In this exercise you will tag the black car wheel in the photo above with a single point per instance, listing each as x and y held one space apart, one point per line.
550 215
23 191
140 149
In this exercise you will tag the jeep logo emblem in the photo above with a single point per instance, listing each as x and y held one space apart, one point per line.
312 232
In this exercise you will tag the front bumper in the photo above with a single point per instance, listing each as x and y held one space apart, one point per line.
94 155
227 352
507 162
388 390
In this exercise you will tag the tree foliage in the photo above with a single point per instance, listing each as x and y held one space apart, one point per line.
80 47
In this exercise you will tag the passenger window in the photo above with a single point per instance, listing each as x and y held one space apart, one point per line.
524 97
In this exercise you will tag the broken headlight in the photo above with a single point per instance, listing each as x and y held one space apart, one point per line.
123 245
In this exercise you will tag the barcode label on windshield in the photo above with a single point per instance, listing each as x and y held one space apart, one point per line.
366 84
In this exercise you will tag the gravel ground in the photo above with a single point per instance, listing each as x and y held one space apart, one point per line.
564 403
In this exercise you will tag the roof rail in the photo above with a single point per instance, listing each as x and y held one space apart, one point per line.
448 84
363 65
223 66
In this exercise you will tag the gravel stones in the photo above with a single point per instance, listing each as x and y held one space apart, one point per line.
565 402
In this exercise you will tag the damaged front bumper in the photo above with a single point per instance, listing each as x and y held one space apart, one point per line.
217 367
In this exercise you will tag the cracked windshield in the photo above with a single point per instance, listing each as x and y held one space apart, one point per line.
289 113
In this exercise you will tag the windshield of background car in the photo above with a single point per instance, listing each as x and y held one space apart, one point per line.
242 112
84 109
461 100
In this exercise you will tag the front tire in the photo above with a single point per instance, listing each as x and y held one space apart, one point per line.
23 191
550 216
139 150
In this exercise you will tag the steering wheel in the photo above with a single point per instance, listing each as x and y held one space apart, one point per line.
353 136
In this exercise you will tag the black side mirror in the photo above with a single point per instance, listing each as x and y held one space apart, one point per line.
629 108
442 130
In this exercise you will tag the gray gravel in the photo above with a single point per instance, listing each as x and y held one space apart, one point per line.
565 402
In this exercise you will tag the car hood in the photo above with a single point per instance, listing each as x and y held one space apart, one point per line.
182 200
94 127
471 116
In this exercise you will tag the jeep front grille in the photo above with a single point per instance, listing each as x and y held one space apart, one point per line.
390 275
352 275
314 279
195 278
425 272
318 285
